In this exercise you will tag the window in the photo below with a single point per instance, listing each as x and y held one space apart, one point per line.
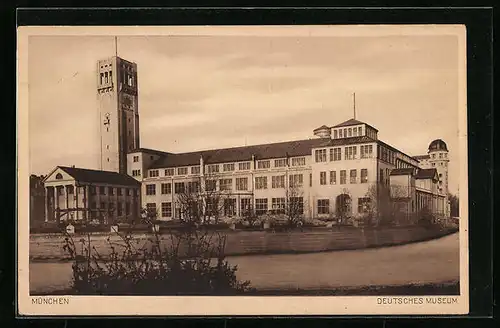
354 132
166 188
241 184
182 171
278 205
381 175
150 189
310 179
364 205
214 168
179 187
92 190
211 185
166 210
433 164
366 151
278 181
320 155
245 206
296 180
445 155
136 173
226 184
340 133
151 209
136 159
433 155
335 134
337 154
193 186
260 206
299 161
169 172
228 167
364 176
333 177
263 164
119 191
69 190
102 190
322 178
345 133
331 154
350 152
353 176
229 207
297 205
360 131
343 177
153 173
349 131
261 183
279 162
440 155
323 206
244 166
195 170
103 205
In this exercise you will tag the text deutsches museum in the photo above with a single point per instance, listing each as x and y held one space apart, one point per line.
416 300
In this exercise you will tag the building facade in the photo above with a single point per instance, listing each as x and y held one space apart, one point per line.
83 195
339 173
344 171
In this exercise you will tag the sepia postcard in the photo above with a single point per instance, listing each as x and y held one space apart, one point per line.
242 170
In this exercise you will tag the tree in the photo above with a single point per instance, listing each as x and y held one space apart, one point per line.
388 204
294 203
454 205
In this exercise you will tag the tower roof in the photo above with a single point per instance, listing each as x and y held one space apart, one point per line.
437 145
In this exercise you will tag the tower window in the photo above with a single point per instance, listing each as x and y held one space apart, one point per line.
110 76
108 159
102 77
106 78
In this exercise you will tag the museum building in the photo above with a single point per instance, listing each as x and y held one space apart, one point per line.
339 171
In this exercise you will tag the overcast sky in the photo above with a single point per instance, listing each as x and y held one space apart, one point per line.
200 92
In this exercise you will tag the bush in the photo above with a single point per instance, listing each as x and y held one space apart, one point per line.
193 263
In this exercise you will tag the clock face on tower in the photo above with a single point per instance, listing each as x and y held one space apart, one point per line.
128 100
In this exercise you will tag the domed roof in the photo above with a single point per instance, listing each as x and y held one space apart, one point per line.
437 145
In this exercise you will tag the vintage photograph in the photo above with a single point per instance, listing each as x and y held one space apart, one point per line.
238 163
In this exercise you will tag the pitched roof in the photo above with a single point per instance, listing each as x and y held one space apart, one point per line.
402 171
323 127
97 176
149 151
236 154
419 157
426 174
350 122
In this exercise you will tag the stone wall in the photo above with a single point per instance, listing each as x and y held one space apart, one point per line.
49 247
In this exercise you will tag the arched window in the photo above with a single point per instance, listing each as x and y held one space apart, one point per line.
59 176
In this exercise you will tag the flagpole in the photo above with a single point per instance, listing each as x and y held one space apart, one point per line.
116 46
354 104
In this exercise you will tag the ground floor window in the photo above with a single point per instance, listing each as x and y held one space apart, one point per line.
296 205
278 205
260 206
323 206
245 206
151 209
166 210
364 205
229 207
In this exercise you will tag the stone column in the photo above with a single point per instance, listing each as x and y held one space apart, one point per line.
46 204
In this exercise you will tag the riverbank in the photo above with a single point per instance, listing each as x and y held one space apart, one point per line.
431 262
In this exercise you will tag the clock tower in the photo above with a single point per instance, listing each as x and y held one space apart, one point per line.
117 95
